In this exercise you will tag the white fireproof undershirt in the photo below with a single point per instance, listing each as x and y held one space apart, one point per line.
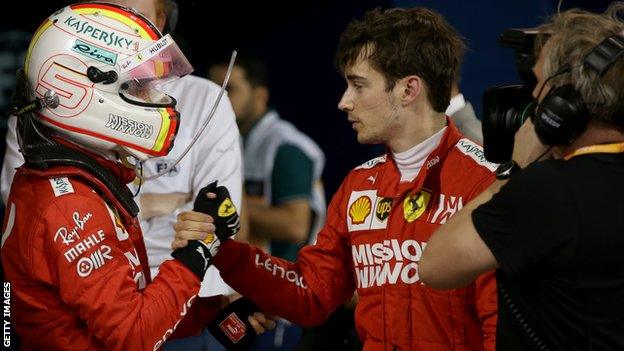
409 162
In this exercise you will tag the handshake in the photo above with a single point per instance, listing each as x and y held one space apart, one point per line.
200 233
198 236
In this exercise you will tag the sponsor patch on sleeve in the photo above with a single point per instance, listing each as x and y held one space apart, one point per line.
475 151
233 327
61 186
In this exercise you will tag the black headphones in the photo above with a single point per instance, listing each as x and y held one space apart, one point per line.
562 115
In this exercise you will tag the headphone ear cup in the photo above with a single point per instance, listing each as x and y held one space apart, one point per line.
561 116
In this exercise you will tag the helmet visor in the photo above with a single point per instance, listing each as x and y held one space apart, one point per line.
143 74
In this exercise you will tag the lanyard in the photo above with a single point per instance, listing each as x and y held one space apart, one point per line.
613 148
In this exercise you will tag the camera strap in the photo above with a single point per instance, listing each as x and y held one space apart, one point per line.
518 317
612 148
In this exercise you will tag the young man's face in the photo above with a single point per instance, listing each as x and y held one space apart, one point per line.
371 109
240 91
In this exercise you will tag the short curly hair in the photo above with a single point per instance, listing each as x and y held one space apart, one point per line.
402 42
570 36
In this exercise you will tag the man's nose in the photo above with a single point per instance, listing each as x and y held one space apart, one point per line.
346 103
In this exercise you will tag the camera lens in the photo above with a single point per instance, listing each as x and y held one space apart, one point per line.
505 109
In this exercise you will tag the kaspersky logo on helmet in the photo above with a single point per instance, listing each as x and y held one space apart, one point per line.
92 31
387 262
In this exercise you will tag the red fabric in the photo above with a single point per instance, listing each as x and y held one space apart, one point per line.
204 310
85 287
372 245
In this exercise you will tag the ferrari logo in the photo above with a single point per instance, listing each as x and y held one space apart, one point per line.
226 208
415 205
209 238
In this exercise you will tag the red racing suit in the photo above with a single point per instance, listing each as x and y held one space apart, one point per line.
78 270
372 241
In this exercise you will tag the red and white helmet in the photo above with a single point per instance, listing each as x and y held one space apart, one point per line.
105 63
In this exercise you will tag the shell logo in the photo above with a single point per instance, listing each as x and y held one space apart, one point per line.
360 209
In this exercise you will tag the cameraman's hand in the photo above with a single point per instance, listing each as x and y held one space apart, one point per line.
527 147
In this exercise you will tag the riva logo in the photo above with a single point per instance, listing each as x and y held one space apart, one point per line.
387 262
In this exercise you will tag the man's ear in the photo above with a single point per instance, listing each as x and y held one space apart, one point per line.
411 88
161 20
261 94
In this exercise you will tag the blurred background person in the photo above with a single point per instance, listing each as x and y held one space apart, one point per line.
463 114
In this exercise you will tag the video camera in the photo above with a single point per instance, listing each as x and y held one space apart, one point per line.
506 107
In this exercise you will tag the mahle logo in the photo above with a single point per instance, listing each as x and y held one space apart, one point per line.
226 208
360 209
415 205
383 208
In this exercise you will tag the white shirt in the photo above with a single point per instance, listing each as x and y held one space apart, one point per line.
411 161
457 103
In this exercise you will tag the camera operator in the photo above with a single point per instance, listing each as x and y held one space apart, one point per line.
554 230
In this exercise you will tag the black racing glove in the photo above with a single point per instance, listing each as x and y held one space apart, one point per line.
221 208
232 328
198 253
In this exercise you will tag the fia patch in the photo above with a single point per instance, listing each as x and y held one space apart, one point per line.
162 164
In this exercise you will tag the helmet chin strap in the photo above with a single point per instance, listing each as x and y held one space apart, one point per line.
199 133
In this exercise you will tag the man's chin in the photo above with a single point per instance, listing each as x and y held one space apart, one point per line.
366 139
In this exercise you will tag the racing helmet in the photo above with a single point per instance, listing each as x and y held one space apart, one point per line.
100 68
